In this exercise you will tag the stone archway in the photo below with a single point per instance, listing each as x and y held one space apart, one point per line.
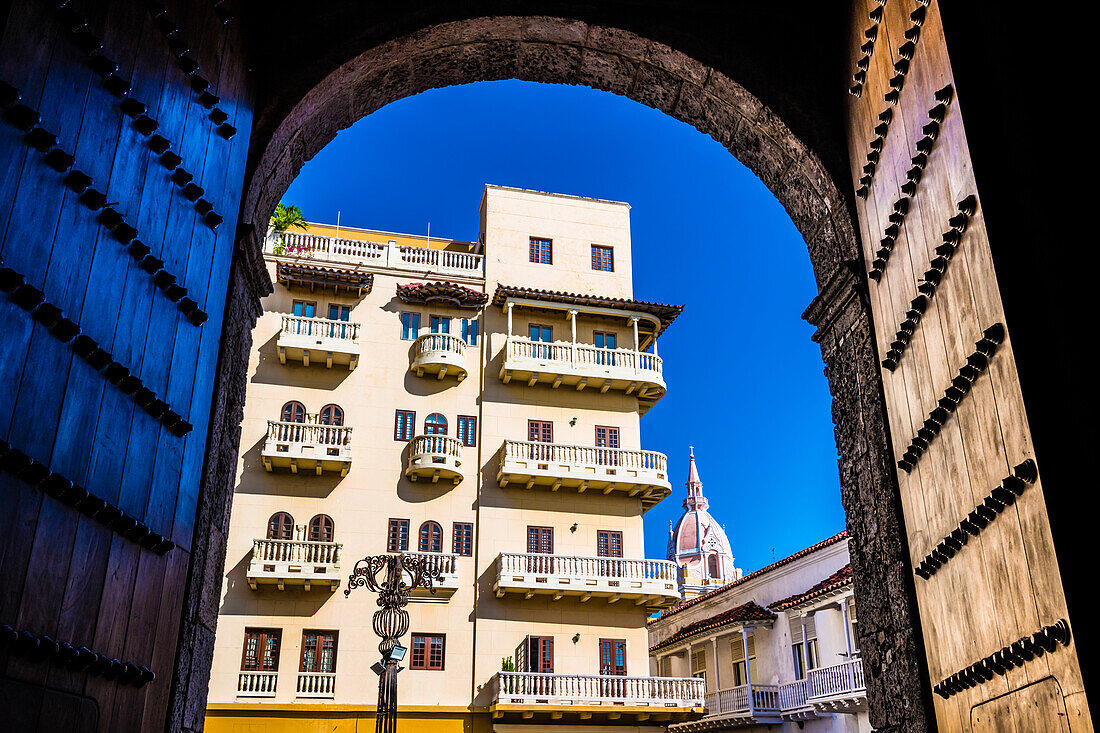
562 51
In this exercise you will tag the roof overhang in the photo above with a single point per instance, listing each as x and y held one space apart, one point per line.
659 315
308 275
443 293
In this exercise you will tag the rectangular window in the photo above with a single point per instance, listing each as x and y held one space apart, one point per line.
440 324
538 332
463 539
799 671
605 339
540 540
469 331
427 651
467 430
613 656
410 326
603 258
742 673
261 650
397 538
540 431
540 652
609 543
305 308
404 424
318 652
542 251
339 312
607 436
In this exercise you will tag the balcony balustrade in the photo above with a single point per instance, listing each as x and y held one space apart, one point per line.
417 260
551 466
435 457
792 701
440 354
447 582
256 684
649 583
838 688
675 698
294 562
317 684
318 340
744 705
307 445
579 366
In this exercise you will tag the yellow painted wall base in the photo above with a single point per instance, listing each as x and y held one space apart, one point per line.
337 719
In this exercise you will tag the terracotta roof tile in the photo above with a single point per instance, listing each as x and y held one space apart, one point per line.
665 313
837 580
756 574
745 612
305 274
442 292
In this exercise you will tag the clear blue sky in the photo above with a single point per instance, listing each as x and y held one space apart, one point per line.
706 233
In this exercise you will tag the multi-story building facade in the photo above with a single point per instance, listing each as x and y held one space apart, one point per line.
478 402
776 648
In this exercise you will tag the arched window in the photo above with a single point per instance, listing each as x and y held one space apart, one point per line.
320 528
332 415
294 412
435 424
431 537
280 526
712 565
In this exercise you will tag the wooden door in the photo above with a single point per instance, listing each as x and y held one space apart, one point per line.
985 569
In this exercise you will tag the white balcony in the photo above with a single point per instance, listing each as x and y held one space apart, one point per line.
381 255
608 697
552 466
649 583
307 446
579 366
256 684
318 341
435 457
294 562
317 685
736 707
792 701
838 688
447 582
439 354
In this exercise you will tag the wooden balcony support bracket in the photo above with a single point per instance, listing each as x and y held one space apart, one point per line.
505 375
586 598
582 384
559 595
614 598
530 484
586 715
442 373
305 357
527 715
642 717
614 716
609 488
583 487
533 379
631 387
556 715
605 386
557 382
282 354
556 485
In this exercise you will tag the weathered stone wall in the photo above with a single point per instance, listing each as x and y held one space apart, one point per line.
889 638
248 283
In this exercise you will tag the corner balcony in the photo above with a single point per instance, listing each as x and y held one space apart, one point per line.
435 457
447 582
307 446
294 562
381 255
540 697
736 707
792 702
256 684
318 340
838 688
440 354
551 466
649 583
579 366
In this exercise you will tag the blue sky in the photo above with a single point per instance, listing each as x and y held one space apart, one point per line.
706 233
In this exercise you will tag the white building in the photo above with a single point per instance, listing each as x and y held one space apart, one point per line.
776 649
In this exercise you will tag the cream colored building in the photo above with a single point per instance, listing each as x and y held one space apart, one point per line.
776 649
476 401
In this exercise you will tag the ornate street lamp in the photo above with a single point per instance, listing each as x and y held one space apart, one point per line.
392 577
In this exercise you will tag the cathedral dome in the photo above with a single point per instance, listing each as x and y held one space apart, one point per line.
698 543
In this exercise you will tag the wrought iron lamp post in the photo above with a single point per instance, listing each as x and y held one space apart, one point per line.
392 577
